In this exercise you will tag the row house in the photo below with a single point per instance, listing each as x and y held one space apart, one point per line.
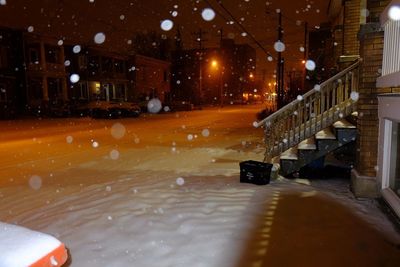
36 71
103 75
151 78
363 29
46 76
113 77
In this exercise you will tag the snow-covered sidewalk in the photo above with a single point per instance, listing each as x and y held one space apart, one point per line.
156 191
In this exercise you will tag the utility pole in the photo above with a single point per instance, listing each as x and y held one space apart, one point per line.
280 65
305 55
222 60
199 39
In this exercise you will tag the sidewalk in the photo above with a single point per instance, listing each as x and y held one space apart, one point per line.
312 229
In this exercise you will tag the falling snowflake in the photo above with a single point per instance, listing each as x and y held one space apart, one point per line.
394 12
31 29
310 65
74 78
118 130
35 182
69 139
76 49
114 154
205 133
167 25
354 96
154 105
208 14
279 46
99 38
180 181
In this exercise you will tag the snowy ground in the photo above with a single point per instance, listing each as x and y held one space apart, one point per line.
160 190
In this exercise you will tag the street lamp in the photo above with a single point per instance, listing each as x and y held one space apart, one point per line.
214 64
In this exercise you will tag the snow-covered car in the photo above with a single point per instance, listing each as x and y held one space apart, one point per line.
105 109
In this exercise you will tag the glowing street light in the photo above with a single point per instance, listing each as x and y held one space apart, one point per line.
214 64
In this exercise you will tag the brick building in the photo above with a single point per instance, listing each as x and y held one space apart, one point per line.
103 75
151 78
362 33
46 77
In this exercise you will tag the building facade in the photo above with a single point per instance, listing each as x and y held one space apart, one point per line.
103 75
152 78
46 76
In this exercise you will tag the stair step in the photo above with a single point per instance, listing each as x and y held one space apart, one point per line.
290 154
308 144
325 134
275 160
343 124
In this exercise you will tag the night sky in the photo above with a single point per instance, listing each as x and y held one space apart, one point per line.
77 21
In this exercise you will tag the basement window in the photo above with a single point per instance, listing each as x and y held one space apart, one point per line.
394 166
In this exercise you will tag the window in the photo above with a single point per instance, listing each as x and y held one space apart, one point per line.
165 76
93 65
119 66
119 93
106 64
394 171
3 57
54 89
34 55
3 93
36 89
52 54
82 62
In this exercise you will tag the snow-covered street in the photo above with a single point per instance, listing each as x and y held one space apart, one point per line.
158 190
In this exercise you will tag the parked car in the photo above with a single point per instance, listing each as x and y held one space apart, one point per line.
105 109
180 106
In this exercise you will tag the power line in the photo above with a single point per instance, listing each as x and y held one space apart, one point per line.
238 23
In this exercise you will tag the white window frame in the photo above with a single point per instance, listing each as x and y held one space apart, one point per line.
388 114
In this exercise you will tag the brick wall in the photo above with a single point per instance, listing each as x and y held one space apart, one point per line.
375 8
351 27
371 52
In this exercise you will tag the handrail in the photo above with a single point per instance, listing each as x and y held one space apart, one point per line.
314 111
312 91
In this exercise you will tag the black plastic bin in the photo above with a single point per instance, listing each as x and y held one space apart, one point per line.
255 172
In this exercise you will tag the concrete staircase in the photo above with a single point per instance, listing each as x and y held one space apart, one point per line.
323 142
313 125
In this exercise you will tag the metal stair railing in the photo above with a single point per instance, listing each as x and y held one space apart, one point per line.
317 109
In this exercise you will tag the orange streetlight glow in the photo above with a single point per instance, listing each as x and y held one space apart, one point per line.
214 63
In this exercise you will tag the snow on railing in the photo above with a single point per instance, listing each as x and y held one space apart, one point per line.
390 21
317 109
